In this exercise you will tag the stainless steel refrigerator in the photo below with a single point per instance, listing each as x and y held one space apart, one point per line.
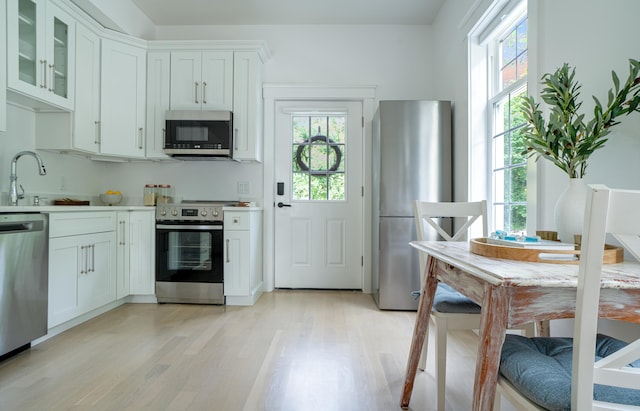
411 161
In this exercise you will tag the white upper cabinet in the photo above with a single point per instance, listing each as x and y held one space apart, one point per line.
158 69
122 99
86 117
41 51
201 80
3 72
247 106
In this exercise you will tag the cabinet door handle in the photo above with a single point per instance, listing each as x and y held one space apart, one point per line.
51 78
140 146
228 260
87 248
82 260
93 258
122 242
196 86
43 76
97 139
204 92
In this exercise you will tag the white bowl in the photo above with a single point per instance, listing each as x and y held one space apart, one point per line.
111 199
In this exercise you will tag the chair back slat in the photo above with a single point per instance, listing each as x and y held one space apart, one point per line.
427 215
616 212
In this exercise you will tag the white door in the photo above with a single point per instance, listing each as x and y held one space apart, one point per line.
319 211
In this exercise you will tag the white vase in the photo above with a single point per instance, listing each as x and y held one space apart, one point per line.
569 211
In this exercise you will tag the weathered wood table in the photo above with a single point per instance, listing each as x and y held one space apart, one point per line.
510 293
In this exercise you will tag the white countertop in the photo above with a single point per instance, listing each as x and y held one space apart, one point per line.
238 208
59 208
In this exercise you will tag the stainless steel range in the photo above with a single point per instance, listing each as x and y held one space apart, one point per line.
189 252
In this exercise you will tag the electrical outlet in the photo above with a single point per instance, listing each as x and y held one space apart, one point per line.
243 187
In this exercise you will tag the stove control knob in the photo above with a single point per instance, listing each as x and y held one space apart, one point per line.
215 212
203 213
163 212
174 212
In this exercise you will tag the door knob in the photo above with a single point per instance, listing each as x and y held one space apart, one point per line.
281 204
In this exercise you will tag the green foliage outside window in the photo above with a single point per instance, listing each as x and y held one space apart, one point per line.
318 157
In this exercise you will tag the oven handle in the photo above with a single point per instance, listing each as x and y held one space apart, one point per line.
188 227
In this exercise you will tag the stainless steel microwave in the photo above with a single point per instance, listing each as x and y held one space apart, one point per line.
199 134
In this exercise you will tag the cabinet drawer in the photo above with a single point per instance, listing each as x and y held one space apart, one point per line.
234 220
75 223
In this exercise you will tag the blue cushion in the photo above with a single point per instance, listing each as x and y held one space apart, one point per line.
540 369
448 300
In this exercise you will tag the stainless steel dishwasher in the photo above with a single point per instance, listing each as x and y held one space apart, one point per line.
24 280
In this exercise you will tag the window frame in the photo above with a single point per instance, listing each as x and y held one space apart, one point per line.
495 94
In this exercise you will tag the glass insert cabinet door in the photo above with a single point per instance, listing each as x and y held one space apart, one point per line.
40 48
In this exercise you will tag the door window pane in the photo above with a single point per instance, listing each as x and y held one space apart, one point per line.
318 149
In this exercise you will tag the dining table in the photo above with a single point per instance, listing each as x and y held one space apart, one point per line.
511 293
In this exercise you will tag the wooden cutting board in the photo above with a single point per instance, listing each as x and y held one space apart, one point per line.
71 202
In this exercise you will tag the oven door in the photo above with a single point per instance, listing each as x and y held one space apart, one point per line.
189 263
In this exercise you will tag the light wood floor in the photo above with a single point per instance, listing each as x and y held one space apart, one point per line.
293 350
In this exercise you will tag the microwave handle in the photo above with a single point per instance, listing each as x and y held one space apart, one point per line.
196 87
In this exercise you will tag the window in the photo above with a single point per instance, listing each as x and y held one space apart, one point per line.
508 165
318 151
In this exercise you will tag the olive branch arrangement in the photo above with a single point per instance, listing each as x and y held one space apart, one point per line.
565 139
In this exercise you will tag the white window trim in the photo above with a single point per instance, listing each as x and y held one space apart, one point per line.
480 117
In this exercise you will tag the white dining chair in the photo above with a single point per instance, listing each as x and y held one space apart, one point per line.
451 310
536 374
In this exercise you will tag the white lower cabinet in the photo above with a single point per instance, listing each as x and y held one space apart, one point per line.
97 286
142 240
96 258
242 256
123 233
136 253
82 271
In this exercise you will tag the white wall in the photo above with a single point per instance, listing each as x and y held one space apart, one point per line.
398 60
450 69
601 37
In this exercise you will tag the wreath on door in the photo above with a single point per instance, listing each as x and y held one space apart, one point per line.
314 140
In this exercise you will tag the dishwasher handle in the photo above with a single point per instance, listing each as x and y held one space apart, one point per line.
16 227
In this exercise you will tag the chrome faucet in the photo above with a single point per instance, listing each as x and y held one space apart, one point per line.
13 178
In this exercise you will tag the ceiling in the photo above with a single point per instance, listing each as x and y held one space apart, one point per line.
289 12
